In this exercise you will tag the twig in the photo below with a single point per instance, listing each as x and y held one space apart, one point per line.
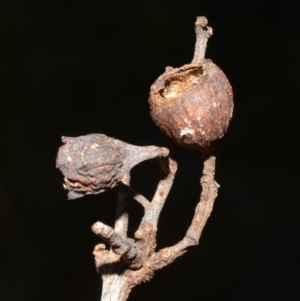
121 222
202 213
202 36
168 169
125 189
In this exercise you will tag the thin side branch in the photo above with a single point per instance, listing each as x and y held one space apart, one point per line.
125 189
121 222
202 213
168 169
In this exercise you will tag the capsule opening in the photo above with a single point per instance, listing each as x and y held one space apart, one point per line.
181 82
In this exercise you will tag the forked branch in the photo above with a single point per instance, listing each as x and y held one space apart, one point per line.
202 213
135 260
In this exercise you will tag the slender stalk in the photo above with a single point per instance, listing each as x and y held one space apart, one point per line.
121 222
202 35
125 189
168 169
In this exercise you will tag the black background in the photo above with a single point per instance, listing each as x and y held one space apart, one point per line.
77 67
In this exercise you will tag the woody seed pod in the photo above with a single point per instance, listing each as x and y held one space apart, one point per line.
193 104
95 163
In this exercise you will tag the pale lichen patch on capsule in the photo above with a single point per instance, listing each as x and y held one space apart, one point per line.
95 145
186 132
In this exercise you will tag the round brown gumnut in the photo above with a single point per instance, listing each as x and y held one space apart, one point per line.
192 104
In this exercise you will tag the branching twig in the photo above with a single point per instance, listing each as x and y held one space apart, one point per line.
141 254
95 163
202 213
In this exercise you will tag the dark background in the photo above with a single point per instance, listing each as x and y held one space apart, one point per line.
77 67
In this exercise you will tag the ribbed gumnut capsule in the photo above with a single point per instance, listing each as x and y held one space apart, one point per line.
193 104
95 163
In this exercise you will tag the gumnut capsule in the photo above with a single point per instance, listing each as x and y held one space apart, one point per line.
94 163
193 104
